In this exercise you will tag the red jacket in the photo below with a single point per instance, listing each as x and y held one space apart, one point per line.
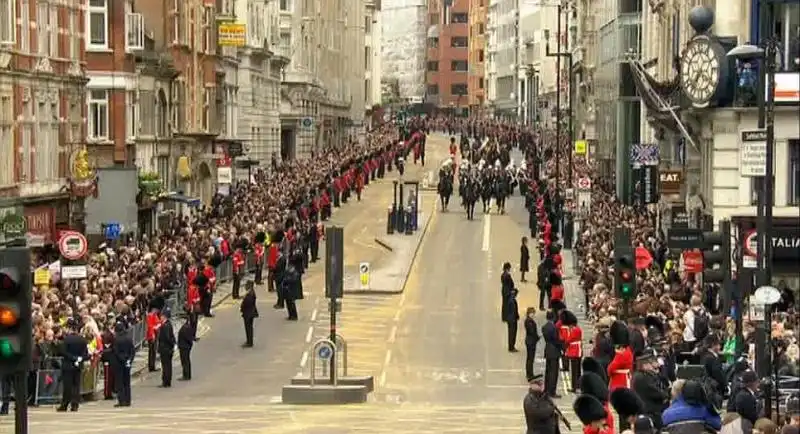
192 296
574 342
360 182
225 248
259 252
238 260
208 271
619 370
272 257
191 274
153 324
556 293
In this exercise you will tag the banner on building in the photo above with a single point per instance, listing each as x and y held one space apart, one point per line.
232 35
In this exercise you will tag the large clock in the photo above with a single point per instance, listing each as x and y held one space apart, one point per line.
702 68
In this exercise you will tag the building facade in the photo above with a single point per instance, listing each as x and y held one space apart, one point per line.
403 49
42 110
538 72
447 67
373 26
478 16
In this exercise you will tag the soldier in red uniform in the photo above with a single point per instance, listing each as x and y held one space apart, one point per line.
620 368
207 292
237 265
573 339
258 248
153 324
193 300
359 184
592 414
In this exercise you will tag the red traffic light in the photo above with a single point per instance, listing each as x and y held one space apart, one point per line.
6 282
626 275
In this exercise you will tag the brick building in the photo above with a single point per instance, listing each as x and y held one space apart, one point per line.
42 88
448 65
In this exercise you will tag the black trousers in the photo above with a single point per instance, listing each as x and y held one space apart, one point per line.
551 375
248 330
206 298
291 308
575 372
237 282
530 358
123 385
109 377
512 334
186 362
544 295
270 280
71 388
258 273
6 387
151 355
166 369
194 319
315 251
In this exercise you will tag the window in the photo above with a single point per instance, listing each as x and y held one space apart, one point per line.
787 25
459 65
6 140
97 18
7 22
794 173
73 37
132 114
481 56
433 89
433 42
162 115
433 19
25 19
286 5
460 18
458 89
481 28
98 115
459 41
367 25
46 137
226 8
433 65
367 58
756 187
480 83
366 90
208 28
208 101
43 27
26 136
162 167
134 32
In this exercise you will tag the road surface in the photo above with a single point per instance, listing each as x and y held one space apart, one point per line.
437 350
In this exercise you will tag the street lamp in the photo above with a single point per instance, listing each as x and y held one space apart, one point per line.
533 92
766 120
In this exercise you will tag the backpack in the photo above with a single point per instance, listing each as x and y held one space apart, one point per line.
701 324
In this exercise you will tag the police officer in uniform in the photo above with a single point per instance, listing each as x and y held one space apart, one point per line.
124 352
249 312
650 387
74 352
185 344
540 412
553 349
166 348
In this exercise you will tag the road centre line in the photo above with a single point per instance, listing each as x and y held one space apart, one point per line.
314 314
392 335
487 233
309 334
304 359
387 359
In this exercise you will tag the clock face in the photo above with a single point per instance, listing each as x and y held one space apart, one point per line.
700 72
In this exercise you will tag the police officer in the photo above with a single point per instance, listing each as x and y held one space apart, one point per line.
650 387
185 343
540 412
249 312
166 348
74 352
109 367
553 349
123 353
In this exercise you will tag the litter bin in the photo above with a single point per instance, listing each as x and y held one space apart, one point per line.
390 221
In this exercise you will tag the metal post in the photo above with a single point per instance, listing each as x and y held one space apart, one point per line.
341 345
558 101
21 403
333 339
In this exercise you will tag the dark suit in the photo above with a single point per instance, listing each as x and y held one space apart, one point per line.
506 287
166 349
746 404
511 318
637 342
249 312
531 339
185 344
553 349
75 352
124 352
654 395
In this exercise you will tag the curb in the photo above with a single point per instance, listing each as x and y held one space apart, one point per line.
383 244
374 291
416 252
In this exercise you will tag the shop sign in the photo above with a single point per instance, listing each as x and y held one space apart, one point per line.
670 181
785 245
41 223
224 175
83 178
13 226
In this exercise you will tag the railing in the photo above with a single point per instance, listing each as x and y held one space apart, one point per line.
48 388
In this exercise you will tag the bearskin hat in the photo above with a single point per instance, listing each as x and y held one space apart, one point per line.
654 322
619 334
594 385
589 409
215 260
557 305
242 243
289 223
260 237
201 280
276 237
568 318
590 364
626 402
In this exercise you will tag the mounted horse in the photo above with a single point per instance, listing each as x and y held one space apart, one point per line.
445 186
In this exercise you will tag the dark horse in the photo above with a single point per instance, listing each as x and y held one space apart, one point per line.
445 187
471 195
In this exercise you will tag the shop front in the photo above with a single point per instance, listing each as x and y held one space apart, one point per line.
785 249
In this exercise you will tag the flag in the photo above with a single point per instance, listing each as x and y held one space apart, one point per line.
48 379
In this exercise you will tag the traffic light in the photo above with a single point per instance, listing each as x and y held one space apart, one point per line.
717 254
625 272
16 325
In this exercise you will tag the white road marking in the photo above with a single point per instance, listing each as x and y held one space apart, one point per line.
388 358
314 315
397 316
276 400
382 379
487 233
309 334
304 359
392 335
402 299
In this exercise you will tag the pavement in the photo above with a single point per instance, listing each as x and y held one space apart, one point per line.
437 350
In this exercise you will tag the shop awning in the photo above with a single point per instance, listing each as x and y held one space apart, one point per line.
175 196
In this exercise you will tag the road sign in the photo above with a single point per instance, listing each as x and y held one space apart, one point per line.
584 183
325 351
580 147
112 231
753 154
363 275
307 122
72 245
14 226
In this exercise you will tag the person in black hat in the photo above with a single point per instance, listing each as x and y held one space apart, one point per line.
572 335
637 332
507 286
711 359
553 350
590 364
592 414
628 406
531 340
511 318
124 352
651 388
249 312
540 412
74 351
619 370
593 385
745 401
166 347
185 344
643 425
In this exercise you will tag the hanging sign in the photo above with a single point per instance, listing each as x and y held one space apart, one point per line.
364 277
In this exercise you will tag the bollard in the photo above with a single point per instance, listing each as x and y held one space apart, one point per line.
315 349
409 221
341 346
390 221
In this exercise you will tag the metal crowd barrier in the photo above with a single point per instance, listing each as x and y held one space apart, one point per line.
48 381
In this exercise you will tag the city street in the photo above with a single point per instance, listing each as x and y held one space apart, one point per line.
437 351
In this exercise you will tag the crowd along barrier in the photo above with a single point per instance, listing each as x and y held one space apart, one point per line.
224 274
49 381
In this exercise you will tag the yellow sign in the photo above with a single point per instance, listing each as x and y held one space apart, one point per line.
41 277
581 147
232 35
363 274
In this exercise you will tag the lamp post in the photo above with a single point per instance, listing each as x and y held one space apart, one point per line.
765 94
558 54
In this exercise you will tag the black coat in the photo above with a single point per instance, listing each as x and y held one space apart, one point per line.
248 307
185 337
553 345
746 404
74 347
654 395
540 415
511 310
124 350
166 339
531 332
524 258
603 348
291 284
713 366
637 341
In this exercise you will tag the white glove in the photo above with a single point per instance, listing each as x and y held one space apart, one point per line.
78 360
128 364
